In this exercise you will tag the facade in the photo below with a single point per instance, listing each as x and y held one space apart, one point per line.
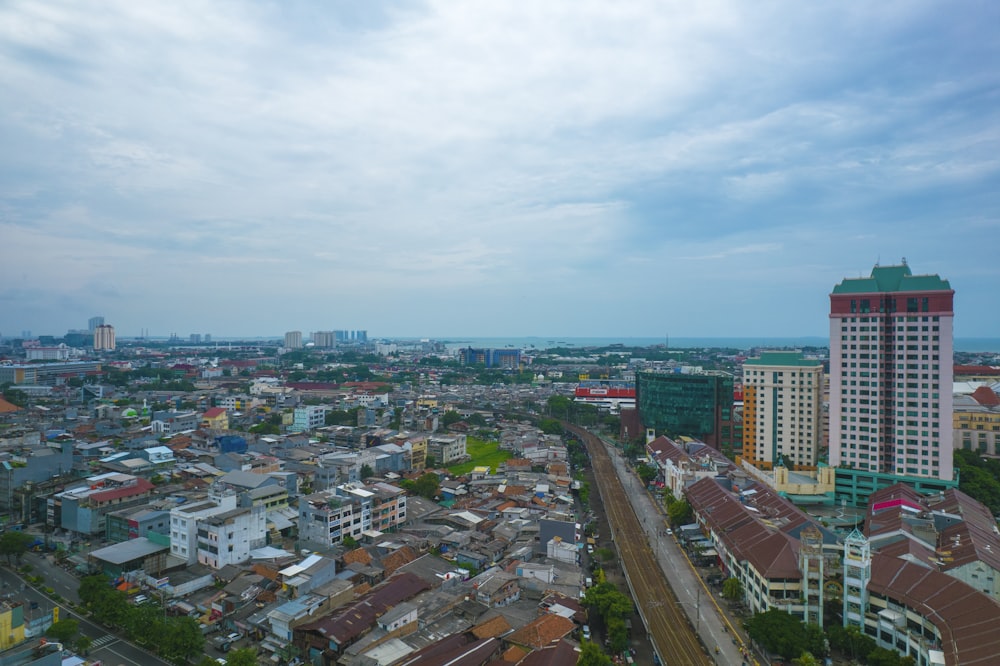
782 410
491 358
104 338
293 340
184 523
11 624
891 354
325 518
228 537
693 405
610 395
57 353
324 339
977 422
84 509
215 418
308 417
447 449
135 522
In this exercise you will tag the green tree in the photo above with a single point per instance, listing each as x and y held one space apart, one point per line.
450 417
617 634
182 640
679 513
349 541
242 657
367 472
647 473
550 426
732 589
83 644
427 485
14 544
63 631
784 634
591 655
850 641
806 659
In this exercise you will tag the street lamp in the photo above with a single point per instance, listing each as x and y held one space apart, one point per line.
697 610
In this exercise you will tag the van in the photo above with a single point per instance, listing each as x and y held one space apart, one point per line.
589 582
140 599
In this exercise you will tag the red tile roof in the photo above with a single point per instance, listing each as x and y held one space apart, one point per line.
214 412
140 487
985 396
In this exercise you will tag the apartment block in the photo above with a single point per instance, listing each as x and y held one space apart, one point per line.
782 410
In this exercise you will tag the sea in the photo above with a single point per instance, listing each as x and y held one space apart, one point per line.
742 343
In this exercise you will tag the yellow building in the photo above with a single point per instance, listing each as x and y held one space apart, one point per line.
11 624
216 418
418 453
976 425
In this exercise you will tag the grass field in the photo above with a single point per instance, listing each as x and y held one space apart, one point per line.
485 454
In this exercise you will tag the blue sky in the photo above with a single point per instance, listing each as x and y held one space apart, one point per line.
491 169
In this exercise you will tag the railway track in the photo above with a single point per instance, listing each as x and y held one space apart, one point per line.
673 638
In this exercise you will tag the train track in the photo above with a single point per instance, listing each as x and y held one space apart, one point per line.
673 637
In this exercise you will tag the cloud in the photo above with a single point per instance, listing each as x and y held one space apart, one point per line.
386 154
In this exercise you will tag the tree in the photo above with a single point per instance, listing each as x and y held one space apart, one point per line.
679 513
647 473
427 485
550 426
242 657
83 644
785 634
732 589
367 472
450 417
806 659
349 541
63 631
14 544
182 640
591 655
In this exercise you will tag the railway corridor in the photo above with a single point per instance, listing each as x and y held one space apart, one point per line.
673 638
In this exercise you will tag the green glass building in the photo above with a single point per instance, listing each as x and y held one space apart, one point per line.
693 405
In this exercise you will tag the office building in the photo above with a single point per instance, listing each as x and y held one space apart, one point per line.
94 322
491 358
891 354
691 405
782 410
104 338
293 340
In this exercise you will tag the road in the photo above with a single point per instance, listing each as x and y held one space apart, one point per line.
110 648
674 639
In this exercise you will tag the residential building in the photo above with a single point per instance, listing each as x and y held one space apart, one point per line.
135 522
782 410
308 417
324 339
184 523
891 351
447 449
698 405
215 418
58 353
104 338
491 358
351 509
84 509
228 537
293 340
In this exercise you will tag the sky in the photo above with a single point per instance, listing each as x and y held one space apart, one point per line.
429 169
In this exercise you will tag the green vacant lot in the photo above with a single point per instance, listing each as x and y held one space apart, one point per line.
485 454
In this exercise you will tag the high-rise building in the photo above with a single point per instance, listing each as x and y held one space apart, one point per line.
323 339
293 340
782 409
94 322
692 405
104 338
891 371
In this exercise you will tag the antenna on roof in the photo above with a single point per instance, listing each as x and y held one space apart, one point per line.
878 261
904 261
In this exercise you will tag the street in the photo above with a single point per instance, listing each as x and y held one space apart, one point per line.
108 647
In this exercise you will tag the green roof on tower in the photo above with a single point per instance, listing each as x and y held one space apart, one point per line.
788 358
885 279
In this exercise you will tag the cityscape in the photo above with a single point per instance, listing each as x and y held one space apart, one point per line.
499 334
262 489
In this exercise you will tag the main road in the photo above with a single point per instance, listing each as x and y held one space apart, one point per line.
674 640
108 647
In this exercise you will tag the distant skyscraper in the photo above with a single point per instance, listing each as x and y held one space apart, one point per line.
692 405
782 409
293 340
891 348
104 338
196 338
94 322
208 337
323 338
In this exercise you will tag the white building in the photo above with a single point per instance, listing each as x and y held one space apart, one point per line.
228 537
782 409
891 355
184 523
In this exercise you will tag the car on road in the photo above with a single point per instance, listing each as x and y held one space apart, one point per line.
586 632
233 637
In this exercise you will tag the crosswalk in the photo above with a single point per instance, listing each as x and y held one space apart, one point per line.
103 640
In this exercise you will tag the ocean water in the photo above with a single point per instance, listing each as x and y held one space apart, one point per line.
742 343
